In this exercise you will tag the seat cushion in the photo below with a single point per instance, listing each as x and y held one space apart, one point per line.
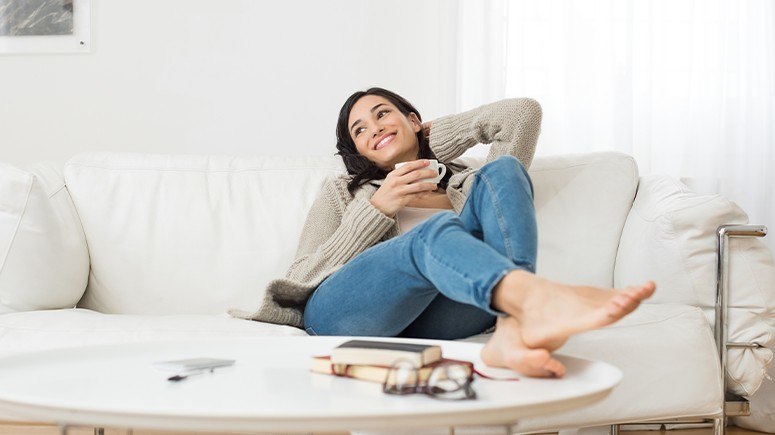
42 330
44 263
668 358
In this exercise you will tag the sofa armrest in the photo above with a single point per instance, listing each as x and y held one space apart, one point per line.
670 236
44 261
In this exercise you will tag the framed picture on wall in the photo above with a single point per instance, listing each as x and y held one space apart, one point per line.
45 26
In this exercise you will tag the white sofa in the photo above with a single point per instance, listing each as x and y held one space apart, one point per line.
157 247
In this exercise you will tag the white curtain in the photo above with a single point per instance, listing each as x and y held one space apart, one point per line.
687 87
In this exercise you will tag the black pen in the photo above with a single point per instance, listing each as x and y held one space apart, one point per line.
177 378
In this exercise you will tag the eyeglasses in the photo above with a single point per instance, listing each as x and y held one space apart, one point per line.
447 381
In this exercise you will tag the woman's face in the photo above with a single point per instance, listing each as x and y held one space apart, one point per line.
382 133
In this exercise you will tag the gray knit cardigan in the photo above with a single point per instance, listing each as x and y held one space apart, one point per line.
339 226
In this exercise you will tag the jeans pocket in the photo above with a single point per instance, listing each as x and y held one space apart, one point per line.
310 331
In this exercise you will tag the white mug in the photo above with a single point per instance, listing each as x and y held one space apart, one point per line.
435 165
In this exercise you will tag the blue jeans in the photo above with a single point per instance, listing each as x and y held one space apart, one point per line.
436 281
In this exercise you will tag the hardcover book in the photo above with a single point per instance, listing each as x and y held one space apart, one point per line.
373 373
384 353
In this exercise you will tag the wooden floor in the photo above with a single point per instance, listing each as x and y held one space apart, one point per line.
8 428
13 428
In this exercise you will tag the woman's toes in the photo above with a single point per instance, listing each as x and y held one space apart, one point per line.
641 292
615 310
556 368
621 304
539 363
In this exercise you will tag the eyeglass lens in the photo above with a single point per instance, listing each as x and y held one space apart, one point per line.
450 381
446 381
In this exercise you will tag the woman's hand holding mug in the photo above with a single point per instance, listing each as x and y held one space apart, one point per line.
407 181
435 166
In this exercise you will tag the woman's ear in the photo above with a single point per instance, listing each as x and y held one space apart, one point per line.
416 123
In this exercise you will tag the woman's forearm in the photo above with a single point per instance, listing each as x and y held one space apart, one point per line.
511 126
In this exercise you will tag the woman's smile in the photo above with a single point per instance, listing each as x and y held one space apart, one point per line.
382 133
384 141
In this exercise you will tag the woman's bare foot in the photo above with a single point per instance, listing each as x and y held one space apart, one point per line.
549 312
505 349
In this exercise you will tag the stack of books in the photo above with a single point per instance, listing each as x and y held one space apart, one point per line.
372 360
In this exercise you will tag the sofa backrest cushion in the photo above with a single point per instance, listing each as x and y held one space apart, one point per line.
582 202
44 262
190 234
204 234
670 237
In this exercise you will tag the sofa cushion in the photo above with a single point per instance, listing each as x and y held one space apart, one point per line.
44 262
203 234
668 358
42 330
190 234
582 202
670 237
762 416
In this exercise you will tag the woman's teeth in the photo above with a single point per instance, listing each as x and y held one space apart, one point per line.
384 142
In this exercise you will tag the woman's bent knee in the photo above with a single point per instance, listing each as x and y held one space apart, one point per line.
437 225
507 170
508 164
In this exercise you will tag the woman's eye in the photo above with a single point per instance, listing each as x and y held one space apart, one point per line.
358 131
382 113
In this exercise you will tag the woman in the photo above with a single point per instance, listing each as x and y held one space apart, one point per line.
469 263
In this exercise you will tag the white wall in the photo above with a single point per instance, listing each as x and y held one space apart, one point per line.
232 76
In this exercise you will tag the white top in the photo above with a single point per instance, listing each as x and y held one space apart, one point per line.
269 389
410 217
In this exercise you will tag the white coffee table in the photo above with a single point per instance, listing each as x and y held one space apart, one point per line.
270 388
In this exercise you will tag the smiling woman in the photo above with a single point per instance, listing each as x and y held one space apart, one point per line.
358 271
390 116
383 126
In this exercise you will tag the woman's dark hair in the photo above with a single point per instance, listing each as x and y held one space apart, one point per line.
359 167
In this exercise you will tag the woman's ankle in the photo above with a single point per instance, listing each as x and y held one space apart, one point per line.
508 294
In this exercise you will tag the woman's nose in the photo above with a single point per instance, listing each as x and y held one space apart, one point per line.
377 130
